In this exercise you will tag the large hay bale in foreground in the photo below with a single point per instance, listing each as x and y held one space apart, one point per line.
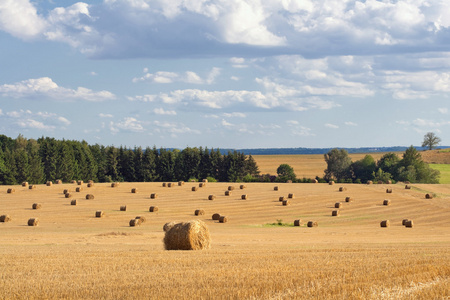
385 223
312 224
11 191
33 222
409 224
199 212
5 218
89 197
216 217
297 222
36 206
169 225
192 235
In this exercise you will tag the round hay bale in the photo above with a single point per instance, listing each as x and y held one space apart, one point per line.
242 186
134 190
404 221
216 216
33 222
194 188
369 182
73 202
289 181
223 219
389 182
297 222
59 181
90 181
73 181
201 184
169 225
180 183
428 196
134 222
227 193
11 191
385 223
141 219
331 182
36 206
170 184
338 205
275 188
164 184
199 212
90 184
114 184
315 181
192 235
49 183
153 208
348 199
205 180
409 224
5 218
153 196
312 224
66 191
211 197
286 202
281 198
25 183
32 187
407 187
123 208
389 191
244 197
79 189
341 189
335 213
231 188
80 182
68 195
89 197
387 202
99 214
291 196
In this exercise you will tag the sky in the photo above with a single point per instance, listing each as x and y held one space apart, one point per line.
226 73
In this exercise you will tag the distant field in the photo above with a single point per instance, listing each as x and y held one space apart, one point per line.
445 172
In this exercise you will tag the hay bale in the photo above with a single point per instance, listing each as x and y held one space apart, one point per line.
90 181
289 181
231 188
33 222
216 216
36 206
25 183
407 182
153 209
169 225
79 189
315 181
312 224
80 182
407 187
275 188
205 180
153 196
114 184
291 196
297 222
164 184
338 205
227 193
242 186
389 182
335 213
123 208
49 183
409 224
170 184
141 219
73 181
134 190
428 196
199 212
331 182
89 197
73 202
59 181
348 199
180 183
281 198
68 195
385 223
223 219
211 197
194 188
387 202
5 218
99 214
389 191
66 191
192 235
404 221
90 184
341 189
379 182
135 222
11 191
286 202
32 187
369 182
244 197
201 184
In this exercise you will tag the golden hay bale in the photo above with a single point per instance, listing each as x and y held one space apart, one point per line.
389 191
289 181
141 219
231 188
89 197
73 181
227 193
338 205
170 184
5 218
211 197
199 212
65 191
25 183
369 182
59 181
312 224
286 202
32 187
33 222
244 197
216 216
335 213
275 188
242 186
153 195
223 219
404 221
164 184
341 189
281 198
409 224
291 196
387 202
134 190
297 222
80 182
153 209
407 187
169 225
67 195
78 189
49 183
385 223
11 191
114 184
201 184
194 188
331 182
180 183
36 206
192 235
389 182
99 214
135 222
348 199
90 181
90 184
379 182
407 182
315 181
123 208
428 196
73 202
205 180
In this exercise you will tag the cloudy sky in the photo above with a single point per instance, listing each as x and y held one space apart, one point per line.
226 73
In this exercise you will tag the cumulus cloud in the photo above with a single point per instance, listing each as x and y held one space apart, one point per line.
171 77
102 115
442 110
332 126
26 119
348 123
174 128
161 111
45 87
235 115
127 124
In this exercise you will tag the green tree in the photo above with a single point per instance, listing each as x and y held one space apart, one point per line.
364 168
251 168
338 165
414 169
389 163
36 174
22 166
285 172
430 140
148 171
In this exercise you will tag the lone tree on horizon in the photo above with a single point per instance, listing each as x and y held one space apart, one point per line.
430 140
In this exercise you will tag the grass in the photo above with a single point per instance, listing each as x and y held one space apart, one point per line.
445 172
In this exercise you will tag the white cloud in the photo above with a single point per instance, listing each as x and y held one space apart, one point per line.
33 124
332 126
235 78
235 115
171 77
348 123
174 128
443 110
161 111
27 119
292 122
127 124
45 87
102 115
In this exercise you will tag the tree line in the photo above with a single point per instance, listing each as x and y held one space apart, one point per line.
48 159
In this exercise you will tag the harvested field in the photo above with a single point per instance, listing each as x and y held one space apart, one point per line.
348 257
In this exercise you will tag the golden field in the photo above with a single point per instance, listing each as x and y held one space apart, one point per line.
73 255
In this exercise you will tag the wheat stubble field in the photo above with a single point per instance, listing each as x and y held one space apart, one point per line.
73 255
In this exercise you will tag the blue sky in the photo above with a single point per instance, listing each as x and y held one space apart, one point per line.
226 73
